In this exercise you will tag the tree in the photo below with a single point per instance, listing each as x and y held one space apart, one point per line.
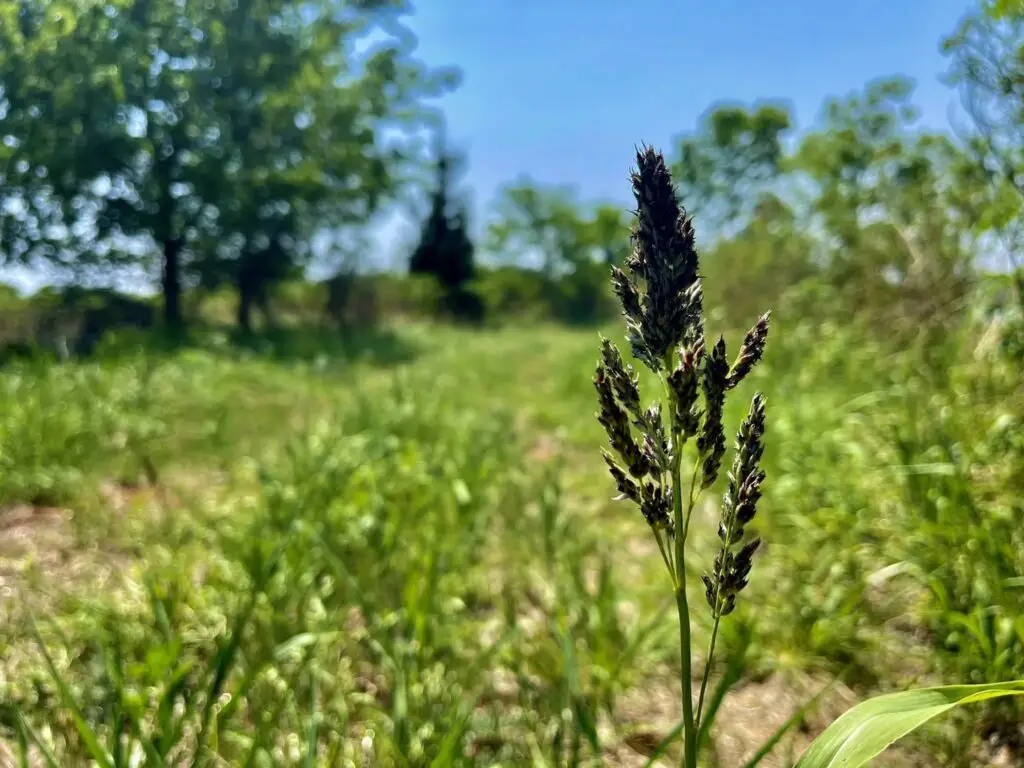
54 89
128 122
445 249
608 232
859 137
987 68
770 255
1003 9
735 155
538 222
320 159
573 246
900 210
245 124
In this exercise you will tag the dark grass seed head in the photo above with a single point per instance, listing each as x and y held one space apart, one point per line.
711 441
730 576
656 443
627 487
684 383
656 505
663 305
615 420
664 260
731 570
751 351
624 382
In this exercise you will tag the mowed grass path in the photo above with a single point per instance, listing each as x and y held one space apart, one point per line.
408 552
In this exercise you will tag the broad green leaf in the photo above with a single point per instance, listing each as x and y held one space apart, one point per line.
867 729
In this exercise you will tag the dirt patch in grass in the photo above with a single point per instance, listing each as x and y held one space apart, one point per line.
32 536
42 559
749 716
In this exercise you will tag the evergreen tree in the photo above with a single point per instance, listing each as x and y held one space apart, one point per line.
445 249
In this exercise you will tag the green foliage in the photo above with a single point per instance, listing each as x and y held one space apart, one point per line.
349 537
303 433
573 246
224 132
986 67
897 220
1001 9
866 730
445 250
976 608
735 154
513 293
541 222
760 264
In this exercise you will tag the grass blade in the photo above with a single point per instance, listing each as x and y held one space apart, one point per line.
581 711
314 720
26 733
262 728
19 729
226 658
446 752
866 730
639 637
169 725
736 663
224 661
87 734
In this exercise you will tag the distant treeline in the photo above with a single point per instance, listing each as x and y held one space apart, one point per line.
226 140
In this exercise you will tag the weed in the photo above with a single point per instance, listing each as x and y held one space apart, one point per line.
663 305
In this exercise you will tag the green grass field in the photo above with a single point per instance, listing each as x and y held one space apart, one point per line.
403 550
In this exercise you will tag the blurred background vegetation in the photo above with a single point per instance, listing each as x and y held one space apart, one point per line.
269 499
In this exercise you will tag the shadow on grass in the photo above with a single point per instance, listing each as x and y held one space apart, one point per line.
369 346
324 347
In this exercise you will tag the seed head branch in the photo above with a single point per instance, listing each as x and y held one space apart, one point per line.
663 304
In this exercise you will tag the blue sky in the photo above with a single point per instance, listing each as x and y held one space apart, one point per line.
561 90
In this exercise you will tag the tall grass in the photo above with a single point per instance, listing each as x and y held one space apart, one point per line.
420 564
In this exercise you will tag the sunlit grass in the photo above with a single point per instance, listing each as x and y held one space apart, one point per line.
405 550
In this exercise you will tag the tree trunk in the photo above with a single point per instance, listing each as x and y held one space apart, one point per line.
267 310
252 288
172 285
245 302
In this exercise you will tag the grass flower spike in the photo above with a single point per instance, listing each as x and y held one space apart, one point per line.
662 301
